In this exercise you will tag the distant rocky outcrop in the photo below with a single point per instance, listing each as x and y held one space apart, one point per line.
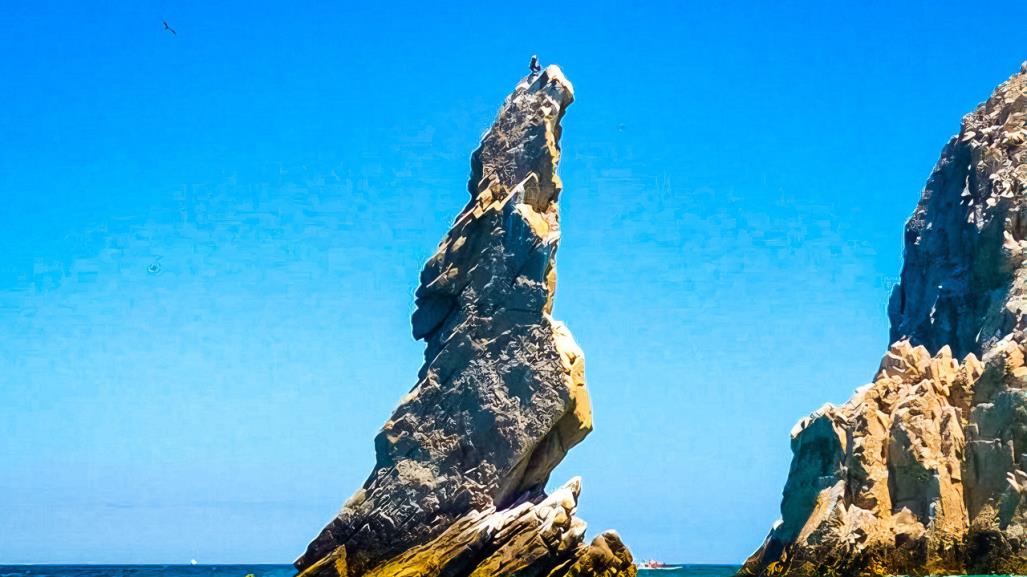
462 464
924 470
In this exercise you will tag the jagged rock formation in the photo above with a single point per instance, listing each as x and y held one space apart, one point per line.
458 487
924 470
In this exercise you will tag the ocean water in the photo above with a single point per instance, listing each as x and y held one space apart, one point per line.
267 571
146 570
691 571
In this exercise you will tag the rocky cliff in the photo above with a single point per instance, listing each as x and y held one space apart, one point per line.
462 463
924 471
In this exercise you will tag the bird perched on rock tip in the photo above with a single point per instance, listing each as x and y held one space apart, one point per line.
534 65
1023 67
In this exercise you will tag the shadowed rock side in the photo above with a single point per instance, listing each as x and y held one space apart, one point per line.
923 471
458 487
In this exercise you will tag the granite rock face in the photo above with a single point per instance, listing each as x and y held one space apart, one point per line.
458 487
924 471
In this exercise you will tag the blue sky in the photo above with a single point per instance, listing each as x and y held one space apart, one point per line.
737 177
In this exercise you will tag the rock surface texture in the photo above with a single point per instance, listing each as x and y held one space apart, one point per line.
458 487
924 471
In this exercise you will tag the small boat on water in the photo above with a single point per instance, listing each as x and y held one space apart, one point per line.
653 564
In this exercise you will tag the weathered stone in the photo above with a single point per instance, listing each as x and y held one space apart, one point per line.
924 471
462 463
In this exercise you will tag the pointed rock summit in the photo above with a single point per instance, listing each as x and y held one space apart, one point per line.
924 470
462 463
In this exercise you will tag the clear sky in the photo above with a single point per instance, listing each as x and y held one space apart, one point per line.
209 243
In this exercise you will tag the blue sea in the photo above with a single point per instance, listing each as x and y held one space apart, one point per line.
691 571
146 570
267 571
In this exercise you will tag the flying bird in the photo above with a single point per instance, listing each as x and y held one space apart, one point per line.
168 28
534 65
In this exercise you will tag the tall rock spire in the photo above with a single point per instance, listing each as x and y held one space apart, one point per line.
925 469
462 463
